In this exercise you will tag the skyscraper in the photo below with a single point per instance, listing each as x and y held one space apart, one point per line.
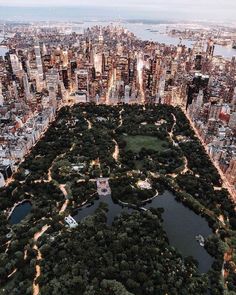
127 93
15 64
1 96
82 82
39 63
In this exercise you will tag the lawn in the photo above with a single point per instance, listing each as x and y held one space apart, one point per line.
136 142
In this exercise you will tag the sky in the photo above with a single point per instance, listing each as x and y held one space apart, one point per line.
168 9
168 4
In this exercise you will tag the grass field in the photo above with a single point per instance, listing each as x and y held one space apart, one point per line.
136 142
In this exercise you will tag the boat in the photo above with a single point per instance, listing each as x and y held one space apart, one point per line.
201 240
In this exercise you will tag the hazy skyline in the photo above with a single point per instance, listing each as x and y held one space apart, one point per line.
155 9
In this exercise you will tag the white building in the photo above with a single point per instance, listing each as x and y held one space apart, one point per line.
71 222
1 96
127 93
15 64
2 180
38 61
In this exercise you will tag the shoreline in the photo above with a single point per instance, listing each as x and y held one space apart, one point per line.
16 205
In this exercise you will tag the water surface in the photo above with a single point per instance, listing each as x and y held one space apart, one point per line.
20 212
180 223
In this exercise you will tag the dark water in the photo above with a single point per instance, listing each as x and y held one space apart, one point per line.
180 223
113 209
20 212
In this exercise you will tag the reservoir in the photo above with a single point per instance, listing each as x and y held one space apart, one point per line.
20 212
181 224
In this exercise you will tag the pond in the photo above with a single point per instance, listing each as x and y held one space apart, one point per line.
113 209
20 212
180 223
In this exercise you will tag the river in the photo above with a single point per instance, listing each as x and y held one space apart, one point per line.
180 223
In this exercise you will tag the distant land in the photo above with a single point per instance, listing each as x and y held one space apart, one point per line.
137 13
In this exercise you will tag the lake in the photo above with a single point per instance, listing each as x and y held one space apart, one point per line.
113 209
180 223
20 212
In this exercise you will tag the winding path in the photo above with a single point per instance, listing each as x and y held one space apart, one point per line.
120 118
89 123
115 155
186 169
171 133
39 257
65 193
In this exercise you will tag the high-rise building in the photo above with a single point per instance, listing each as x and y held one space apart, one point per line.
199 100
39 62
232 121
15 64
100 38
215 110
161 88
127 93
210 48
82 82
52 79
1 96
198 62
231 172
64 57
233 102
26 87
65 77
98 62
